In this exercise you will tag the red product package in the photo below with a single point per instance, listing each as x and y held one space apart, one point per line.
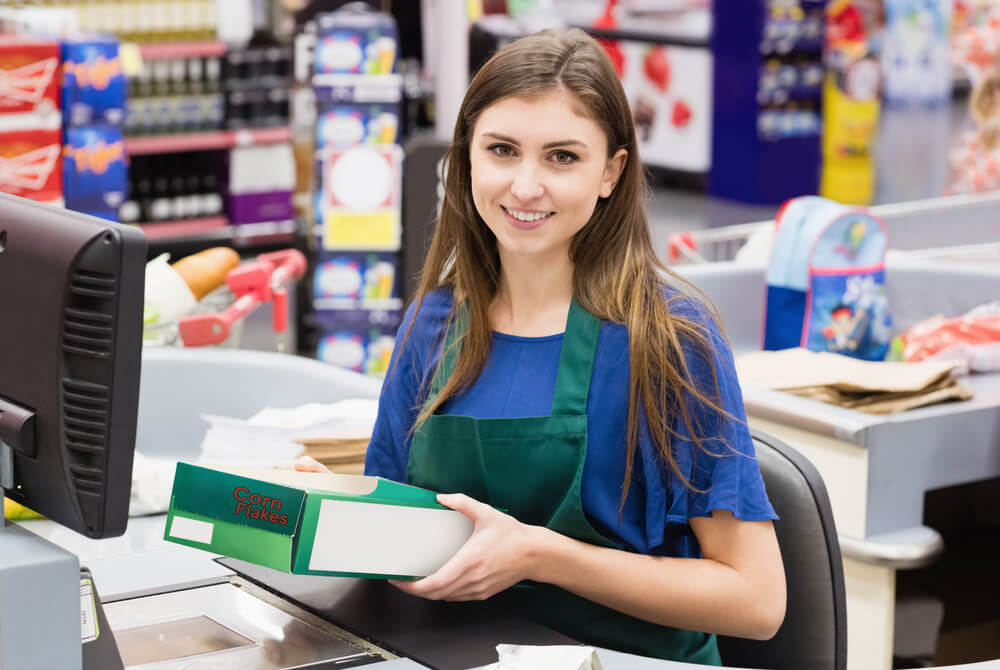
973 339
29 80
31 164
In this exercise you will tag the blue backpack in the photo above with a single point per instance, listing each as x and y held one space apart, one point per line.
826 281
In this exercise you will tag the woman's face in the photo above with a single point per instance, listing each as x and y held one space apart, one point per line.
538 169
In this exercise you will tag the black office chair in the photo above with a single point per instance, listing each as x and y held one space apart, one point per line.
814 633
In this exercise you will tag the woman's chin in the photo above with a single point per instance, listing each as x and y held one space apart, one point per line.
525 248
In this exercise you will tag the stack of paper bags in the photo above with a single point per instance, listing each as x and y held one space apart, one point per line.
867 386
331 433
344 455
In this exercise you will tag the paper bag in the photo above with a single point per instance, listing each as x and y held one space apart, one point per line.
867 386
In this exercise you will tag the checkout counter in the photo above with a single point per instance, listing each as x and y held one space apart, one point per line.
176 608
876 468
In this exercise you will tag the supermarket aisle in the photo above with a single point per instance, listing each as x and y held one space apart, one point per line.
910 165
673 210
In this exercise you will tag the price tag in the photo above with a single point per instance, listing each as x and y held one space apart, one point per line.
88 612
377 230
131 59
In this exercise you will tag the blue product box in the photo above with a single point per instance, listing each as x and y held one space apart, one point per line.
356 40
356 276
95 175
357 290
348 124
365 350
93 90
332 320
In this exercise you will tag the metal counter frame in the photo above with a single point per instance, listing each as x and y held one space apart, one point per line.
876 468
177 387
920 224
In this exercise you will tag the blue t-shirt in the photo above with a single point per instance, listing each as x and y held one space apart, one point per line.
519 381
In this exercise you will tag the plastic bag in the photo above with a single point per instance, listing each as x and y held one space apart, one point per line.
973 338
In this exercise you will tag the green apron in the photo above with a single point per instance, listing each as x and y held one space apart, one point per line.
532 468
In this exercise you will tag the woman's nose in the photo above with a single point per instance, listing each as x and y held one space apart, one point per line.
527 184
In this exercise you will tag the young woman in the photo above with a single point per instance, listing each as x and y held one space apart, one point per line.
550 369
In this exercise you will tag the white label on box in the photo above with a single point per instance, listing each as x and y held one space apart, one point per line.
192 530
88 612
370 538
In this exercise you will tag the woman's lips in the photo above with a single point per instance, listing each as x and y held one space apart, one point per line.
524 225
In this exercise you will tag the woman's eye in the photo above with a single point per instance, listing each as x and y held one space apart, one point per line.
564 157
502 150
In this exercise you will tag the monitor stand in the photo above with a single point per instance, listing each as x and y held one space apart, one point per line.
39 595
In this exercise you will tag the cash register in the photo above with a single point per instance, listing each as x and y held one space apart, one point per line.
71 295
71 301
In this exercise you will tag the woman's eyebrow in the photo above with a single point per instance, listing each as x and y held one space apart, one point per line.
548 145
502 138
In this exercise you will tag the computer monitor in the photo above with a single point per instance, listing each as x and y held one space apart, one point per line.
71 296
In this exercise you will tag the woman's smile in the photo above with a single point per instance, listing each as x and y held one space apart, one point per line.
526 219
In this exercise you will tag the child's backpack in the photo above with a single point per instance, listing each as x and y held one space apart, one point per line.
826 281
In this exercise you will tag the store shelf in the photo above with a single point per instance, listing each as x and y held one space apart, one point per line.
355 304
221 139
268 232
186 228
217 230
361 88
181 49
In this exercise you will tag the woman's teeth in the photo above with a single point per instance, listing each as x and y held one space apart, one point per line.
527 217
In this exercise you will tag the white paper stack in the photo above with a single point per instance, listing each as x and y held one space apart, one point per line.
268 438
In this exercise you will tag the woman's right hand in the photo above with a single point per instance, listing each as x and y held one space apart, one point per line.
309 464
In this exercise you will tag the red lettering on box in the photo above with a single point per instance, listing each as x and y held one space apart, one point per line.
256 506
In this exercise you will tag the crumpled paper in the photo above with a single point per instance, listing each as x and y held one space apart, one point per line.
552 657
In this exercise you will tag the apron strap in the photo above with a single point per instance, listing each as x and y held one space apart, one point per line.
456 330
576 362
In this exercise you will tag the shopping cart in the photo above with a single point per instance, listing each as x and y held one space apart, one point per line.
964 254
219 316
918 225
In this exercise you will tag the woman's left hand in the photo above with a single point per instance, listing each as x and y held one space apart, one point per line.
499 554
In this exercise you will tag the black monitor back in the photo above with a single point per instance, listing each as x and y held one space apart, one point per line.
71 295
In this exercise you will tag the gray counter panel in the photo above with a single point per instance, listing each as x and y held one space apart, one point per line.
931 448
443 635
910 452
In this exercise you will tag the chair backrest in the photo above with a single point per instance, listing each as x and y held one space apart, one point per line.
814 633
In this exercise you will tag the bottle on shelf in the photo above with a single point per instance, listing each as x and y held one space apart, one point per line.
214 100
173 187
196 106
160 208
130 210
192 188
211 199
178 195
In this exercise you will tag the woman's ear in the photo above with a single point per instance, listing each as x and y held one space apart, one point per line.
613 172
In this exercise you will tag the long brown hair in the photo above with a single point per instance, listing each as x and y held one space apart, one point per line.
617 276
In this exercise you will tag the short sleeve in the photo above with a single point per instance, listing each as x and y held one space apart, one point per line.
408 374
724 473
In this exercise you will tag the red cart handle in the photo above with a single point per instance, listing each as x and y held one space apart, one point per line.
259 281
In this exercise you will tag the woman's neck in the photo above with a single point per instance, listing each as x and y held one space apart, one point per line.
533 297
